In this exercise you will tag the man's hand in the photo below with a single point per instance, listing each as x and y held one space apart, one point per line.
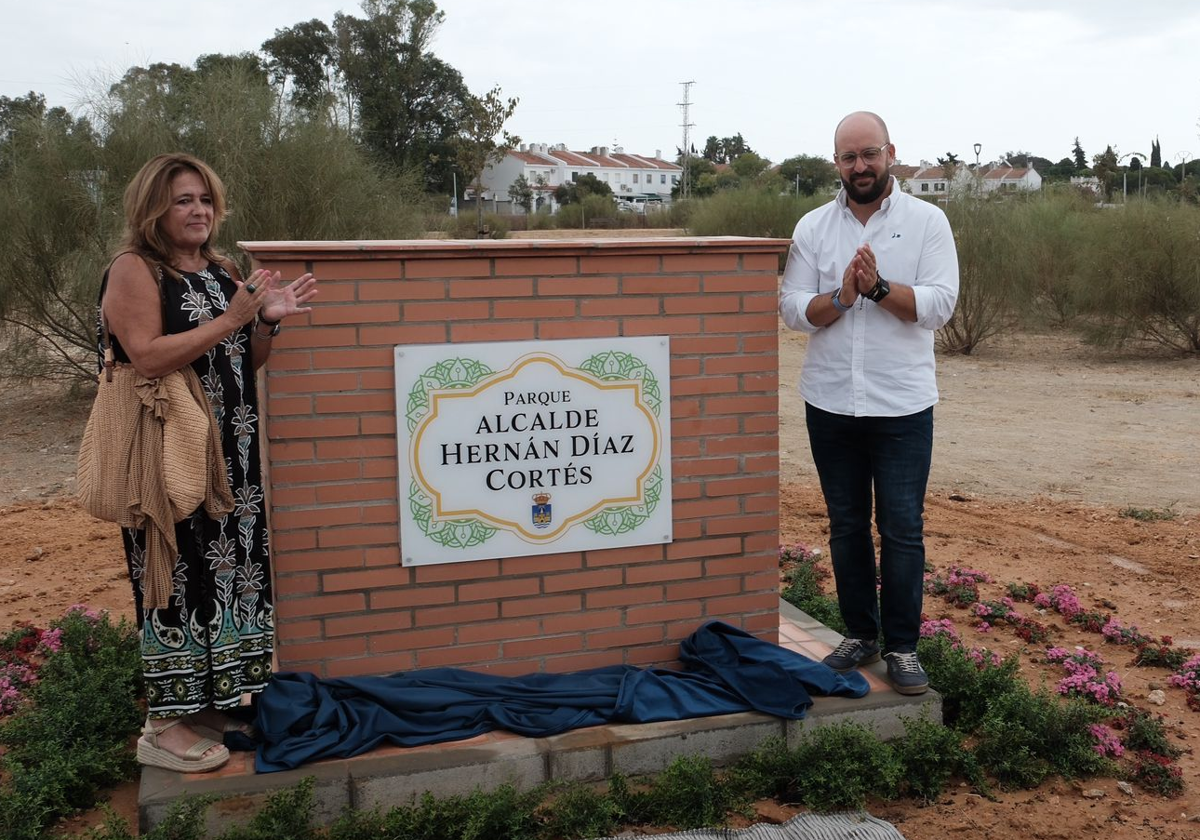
866 271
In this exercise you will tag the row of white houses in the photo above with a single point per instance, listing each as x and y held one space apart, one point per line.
634 179
637 180
931 180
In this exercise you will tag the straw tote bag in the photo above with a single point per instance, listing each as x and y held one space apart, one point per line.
121 448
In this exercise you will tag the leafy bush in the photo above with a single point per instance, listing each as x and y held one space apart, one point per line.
839 766
991 279
968 687
581 812
687 794
70 739
1143 276
1026 736
929 754
750 211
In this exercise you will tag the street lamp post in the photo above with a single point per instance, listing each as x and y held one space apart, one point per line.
1125 174
978 182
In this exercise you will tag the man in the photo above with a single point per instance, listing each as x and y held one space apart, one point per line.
871 276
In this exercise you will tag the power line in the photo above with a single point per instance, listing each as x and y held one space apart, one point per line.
686 186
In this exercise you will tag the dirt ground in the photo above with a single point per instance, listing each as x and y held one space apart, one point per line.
1040 442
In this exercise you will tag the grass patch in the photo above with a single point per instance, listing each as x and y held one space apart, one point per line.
1163 514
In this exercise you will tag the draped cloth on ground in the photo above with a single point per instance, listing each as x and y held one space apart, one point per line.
302 718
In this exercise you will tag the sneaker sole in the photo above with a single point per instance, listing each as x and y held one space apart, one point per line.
910 690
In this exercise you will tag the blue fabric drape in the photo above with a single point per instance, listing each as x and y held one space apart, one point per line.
302 718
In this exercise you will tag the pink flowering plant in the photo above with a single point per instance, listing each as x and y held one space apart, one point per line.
1062 599
958 586
1023 591
1188 678
1084 678
1003 612
1108 743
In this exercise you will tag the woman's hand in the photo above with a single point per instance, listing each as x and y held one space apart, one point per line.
278 302
247 301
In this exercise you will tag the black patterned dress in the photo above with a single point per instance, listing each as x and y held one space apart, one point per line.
214 641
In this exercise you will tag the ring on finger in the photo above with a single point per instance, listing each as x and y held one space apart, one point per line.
251 288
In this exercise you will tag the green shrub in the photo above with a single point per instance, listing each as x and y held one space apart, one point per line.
687 794
580 812
749 211
929 754
70 739
1027 736
839 766
1142 280
466 226
968 688
992 279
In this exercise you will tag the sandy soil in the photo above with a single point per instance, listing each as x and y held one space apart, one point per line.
1040 443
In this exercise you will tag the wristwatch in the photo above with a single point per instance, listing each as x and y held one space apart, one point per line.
879 291
837 301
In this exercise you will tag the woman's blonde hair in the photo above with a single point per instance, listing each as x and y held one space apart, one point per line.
147 200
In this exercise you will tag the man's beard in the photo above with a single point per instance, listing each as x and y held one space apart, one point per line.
874 190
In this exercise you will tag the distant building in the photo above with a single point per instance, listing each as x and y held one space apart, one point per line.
931 180
634 179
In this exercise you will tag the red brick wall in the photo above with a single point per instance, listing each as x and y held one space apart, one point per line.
345 605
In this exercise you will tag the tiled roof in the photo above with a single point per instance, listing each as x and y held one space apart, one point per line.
1003 173
930 173
572 158
633 161
530 157
903 171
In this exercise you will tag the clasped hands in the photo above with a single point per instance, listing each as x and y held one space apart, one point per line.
262 294
860 275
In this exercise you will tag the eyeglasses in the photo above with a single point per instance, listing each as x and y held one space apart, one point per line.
869 156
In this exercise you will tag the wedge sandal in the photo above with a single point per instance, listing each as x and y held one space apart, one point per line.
151 754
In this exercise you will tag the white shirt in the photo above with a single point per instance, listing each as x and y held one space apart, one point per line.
869 363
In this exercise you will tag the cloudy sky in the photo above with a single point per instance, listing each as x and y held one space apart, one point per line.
1009 74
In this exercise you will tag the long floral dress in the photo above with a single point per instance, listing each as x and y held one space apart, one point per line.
214 641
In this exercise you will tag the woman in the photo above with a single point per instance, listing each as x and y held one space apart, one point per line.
171 300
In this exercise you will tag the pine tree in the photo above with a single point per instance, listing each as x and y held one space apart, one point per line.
1155 153
1080 157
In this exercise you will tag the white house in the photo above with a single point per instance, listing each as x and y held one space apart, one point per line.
1004 177
636 179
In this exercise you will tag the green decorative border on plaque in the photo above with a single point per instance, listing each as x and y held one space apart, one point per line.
610 366
613 521
614 365
452 533
452 373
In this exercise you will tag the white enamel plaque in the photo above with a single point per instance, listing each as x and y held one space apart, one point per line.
532 447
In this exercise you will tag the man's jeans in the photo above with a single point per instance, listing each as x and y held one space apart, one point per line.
892 454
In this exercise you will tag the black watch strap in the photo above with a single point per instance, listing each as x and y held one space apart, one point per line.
880 290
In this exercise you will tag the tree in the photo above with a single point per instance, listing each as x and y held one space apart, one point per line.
749 165
480 121
303 63
808 174
1104 167
1155 154
1080 157
574 192
950 164
520 191
406 99
725 149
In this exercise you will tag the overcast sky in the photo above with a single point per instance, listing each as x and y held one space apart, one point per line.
1009 74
